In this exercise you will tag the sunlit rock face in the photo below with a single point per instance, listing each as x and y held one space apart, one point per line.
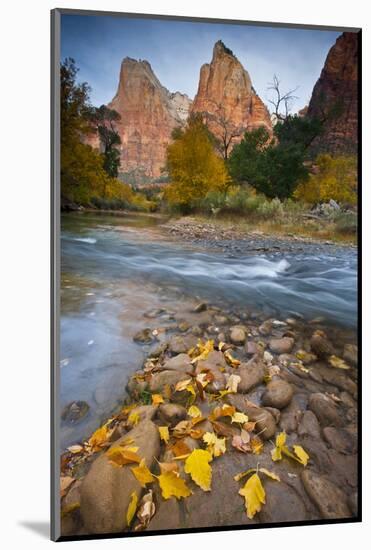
225 91
335 97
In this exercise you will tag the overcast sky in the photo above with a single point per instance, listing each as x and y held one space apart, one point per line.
177 49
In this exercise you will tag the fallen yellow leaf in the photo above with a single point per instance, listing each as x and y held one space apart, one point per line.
270 474
239 418
302 456
132 508
99 438
134 418
338 363
232 361
182 384
254 494
233 382
119 456
277 451
197 465
157 399
164 433
172 485
215 445
203 350
194 411
142 473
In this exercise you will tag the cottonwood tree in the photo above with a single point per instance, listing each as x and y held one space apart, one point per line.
226 130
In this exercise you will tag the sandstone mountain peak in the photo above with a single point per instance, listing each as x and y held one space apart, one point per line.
221 49
335 97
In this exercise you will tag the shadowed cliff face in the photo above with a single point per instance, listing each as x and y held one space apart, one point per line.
334 97
225 91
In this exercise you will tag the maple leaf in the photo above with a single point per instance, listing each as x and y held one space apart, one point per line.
119 456
194 412
172 485
254 494
164 433
132 508
197 465
157 399
232 383
142 473
215 445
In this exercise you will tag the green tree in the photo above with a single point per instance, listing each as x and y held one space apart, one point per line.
104 120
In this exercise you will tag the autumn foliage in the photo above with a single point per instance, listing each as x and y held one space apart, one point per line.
194 167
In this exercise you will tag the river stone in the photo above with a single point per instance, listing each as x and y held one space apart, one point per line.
329 499
309 426
171 413
144 336
325 409
181 362
347 400
106 490
165 378
340 440
281 345
264 419
266 328
339 379
181 344
73 497
75 411
135 386
237 335
321 345
251 348
144 412
282 503
278 394
216 363
252 374
202 306
350 354
290 416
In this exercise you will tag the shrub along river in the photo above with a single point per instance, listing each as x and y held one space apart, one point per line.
117 270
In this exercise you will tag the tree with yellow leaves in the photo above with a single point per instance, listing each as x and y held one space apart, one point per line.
193 165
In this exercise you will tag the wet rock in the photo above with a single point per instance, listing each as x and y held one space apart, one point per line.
106 490
144 336
252 374
251 348
350 354
75 411
343 469
329 499
165 378
171 413
184 326
202 306
353 503
347 400
325 409
221 319
72 499
340 440
181 344
264 419
196 331
309 425
274 511
291 416
181 362
266 328
136 386
321 345
216 363
145 412
159 350
339 379
281 345
278 394
237 335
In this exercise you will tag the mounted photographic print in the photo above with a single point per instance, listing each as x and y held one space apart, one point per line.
205 193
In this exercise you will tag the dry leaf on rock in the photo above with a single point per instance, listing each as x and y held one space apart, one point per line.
132 508
232 361
164 433
157 399
197 465
338 363
142 473
194 412
119 456
239 418
172 485
232 383
254 494
215 445
146 511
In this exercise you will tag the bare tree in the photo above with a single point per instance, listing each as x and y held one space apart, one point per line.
226 131
282 102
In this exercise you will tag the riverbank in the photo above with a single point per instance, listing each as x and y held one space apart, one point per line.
221 384
267 237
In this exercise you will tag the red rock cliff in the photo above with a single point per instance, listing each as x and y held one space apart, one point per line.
225 91
149 113
335 98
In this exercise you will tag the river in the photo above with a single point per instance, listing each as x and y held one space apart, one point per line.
116 269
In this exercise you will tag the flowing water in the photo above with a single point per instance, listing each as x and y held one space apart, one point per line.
115 269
